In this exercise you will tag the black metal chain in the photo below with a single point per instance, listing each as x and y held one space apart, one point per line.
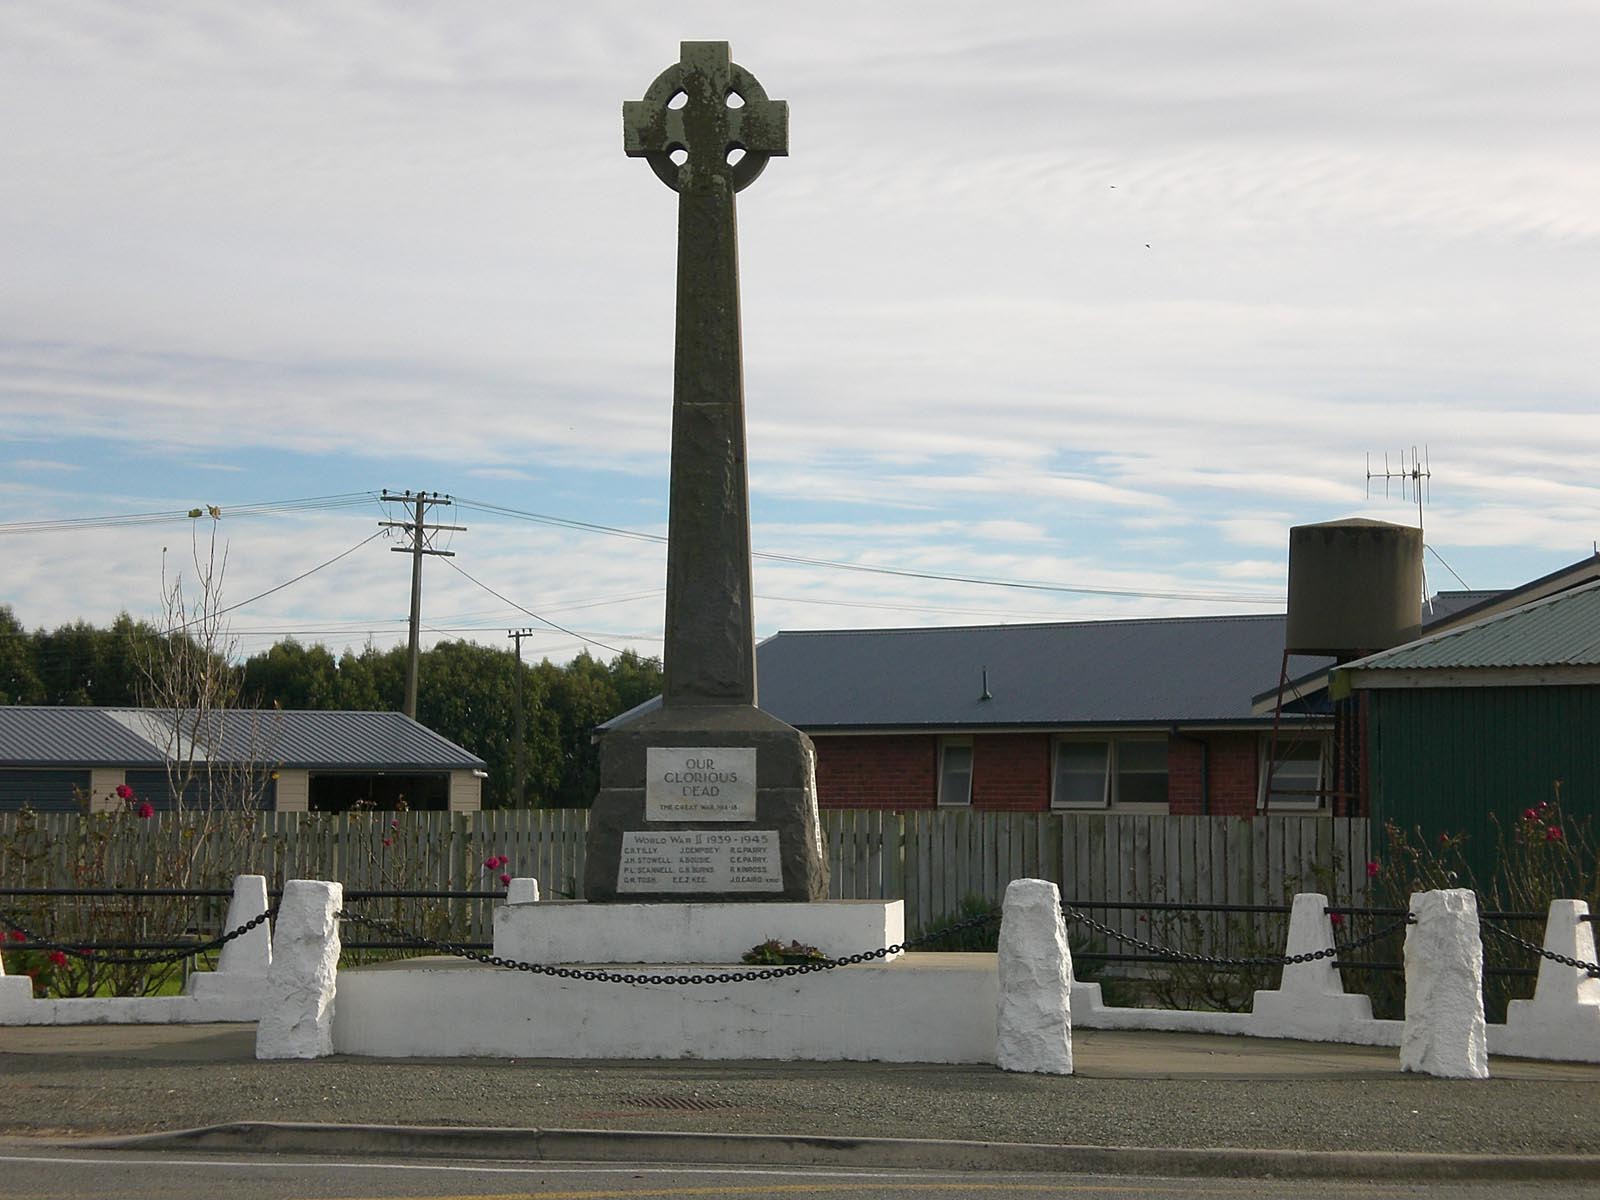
35 942
1274 960
1592 968
730 976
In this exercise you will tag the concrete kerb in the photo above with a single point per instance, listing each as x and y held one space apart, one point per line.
749 1149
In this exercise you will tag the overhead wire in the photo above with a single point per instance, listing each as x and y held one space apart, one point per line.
899 572
117 520
528 611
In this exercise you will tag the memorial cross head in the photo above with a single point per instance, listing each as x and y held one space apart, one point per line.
705 120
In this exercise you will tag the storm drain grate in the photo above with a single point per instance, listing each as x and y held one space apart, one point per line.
679 1103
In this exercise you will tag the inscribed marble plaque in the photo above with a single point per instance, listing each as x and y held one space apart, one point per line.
700 860
700 783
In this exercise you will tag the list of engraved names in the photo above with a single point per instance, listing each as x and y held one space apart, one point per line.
700 860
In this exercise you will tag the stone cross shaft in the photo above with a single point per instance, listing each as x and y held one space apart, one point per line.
696 116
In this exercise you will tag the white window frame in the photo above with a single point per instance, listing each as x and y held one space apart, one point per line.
947 744
1108 774
1109 800
1282 803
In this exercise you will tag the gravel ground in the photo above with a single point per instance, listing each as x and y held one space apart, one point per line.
1142 1089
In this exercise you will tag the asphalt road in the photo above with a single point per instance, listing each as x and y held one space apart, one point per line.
75 1175
1131 1089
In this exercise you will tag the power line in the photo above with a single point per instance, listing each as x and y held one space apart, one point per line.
117 520
297 578
529 611
900 572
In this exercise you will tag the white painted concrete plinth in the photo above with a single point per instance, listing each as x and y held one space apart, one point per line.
923 1008
573 931
1445 1033
241 974
1310 1003
1562 1021
298 996
1034 1024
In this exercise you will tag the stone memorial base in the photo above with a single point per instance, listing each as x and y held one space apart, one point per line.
706 802
566 931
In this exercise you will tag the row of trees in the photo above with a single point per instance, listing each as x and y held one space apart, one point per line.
465 691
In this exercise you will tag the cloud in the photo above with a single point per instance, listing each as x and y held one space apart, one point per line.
1087 294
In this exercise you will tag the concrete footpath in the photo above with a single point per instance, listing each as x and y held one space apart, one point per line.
1140 1102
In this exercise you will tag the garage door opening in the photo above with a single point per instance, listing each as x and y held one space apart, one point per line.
384 792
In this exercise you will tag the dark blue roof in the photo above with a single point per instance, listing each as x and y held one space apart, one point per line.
1160 671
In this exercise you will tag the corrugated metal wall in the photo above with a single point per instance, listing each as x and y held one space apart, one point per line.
1443 759
42 790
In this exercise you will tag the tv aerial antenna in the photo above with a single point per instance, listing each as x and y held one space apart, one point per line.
1412 474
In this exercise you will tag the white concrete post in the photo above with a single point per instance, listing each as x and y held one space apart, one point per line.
1034 1022
1444 1031
1563 1018
250 953
522 890
1310 1002
297 1003
242 967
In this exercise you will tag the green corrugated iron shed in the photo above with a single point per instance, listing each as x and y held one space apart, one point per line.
1469 729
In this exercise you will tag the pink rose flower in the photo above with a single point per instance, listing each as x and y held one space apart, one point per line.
58 958
388 841
490 863
1372 870
1553 834
145 810
18 936
1530 814
506 879
124 792
1336 919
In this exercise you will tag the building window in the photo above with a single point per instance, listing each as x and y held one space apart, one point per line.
1082 775
1107 772
955 771
1294 774
1141 774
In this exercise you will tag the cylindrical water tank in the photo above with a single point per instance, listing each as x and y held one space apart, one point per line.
1355 587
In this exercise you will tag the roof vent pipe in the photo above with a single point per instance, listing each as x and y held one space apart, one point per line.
986 695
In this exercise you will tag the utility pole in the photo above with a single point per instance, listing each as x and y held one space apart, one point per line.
421 543
517 794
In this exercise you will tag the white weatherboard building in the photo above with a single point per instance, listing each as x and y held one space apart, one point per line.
303 760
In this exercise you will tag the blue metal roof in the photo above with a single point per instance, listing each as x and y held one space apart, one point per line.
133 737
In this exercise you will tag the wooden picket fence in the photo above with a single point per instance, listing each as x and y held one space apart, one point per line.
933 860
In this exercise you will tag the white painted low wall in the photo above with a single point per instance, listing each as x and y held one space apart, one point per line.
923 1008
233 992
126 1010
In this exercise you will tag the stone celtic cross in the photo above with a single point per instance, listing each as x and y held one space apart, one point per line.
707 129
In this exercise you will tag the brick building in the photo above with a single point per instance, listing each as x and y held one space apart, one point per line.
1163 715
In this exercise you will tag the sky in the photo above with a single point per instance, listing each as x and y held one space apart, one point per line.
1096 298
